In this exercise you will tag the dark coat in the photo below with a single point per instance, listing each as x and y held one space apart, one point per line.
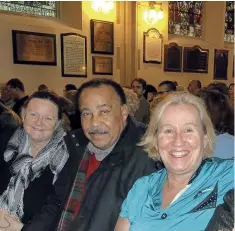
223 218
108 186
9 122
42 200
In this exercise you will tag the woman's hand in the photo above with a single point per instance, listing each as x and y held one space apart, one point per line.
10 223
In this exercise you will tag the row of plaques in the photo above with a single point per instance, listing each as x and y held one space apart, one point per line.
195 60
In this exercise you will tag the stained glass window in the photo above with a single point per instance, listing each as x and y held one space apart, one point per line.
185 18
42 8
229 22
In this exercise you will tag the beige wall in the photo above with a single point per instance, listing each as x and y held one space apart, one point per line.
72 19
213 26
128 43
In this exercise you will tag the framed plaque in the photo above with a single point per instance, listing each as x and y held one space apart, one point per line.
196 59
102 65
220 64
172 57
152 46
73 55
34 48
102 37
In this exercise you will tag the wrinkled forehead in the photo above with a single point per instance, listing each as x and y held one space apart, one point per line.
94 97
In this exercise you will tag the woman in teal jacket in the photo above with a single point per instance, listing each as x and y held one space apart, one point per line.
184 194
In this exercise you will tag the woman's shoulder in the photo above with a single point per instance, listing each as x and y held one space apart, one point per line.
152 179
220 163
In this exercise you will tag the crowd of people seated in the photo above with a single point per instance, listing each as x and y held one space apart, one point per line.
117 158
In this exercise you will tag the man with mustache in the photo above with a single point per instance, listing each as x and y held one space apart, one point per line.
107 160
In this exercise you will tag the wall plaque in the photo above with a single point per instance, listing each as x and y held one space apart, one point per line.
220 64
102 37
152 46
34 48
196 59
172 57
73 55
102 65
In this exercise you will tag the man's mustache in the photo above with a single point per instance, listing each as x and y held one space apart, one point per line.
97 131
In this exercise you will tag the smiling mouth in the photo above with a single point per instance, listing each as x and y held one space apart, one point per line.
179 154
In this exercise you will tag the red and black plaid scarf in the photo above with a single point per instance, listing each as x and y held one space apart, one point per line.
75 197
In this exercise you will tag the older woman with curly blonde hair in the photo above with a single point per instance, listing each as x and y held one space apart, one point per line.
183 195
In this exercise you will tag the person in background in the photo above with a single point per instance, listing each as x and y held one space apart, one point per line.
74 118
222 118
34 174
231 95
17 93
150 93
9 122
42 87
184 194
143 113
6 98
165 87
219 86
194 86
132 101
106 159
69 87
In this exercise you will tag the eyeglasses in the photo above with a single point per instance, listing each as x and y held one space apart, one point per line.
162 92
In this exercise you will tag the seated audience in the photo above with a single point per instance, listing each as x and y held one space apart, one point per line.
219 86
42 87
143 113
132 101
194 86
222 118
165 87
6 98
69 87
150 93
17 93
184 194
35 170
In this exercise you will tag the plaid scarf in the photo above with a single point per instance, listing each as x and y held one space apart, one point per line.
25 168
75 197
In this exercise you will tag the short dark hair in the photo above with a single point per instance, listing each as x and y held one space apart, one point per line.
42 87
16 83
170 85
218 86
70 87
219 110
140 81
46 95
150 88
99 82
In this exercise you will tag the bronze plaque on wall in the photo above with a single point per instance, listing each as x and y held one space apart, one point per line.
172 57
34 48
102 37
220 64
196 59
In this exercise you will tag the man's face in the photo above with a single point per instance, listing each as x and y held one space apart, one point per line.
162 90
137 88
5 94
12 92
103 117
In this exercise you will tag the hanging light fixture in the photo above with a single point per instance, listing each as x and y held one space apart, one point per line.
102 6
153 13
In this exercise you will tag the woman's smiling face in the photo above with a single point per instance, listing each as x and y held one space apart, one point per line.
180 139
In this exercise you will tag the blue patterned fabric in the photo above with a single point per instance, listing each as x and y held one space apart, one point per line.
191 211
